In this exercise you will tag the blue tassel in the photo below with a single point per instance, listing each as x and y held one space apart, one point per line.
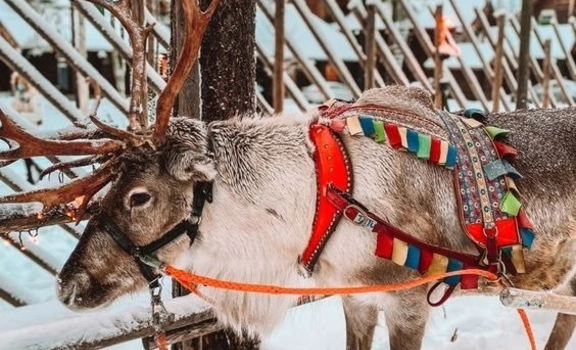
453 265
367 126
413 142
413 258
451 158
527 237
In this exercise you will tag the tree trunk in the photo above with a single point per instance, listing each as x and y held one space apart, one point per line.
225 89
227 61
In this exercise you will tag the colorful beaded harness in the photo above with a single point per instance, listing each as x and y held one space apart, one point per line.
490 212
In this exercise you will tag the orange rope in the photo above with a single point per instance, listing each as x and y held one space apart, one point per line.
527 327
191 280
161 341
188 279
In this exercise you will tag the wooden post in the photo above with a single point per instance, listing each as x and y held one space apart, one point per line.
438 64
497 82
523 73
279 56
79 41
137 7
546 69
532 300
370 48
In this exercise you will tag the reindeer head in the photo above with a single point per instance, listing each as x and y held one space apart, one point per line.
152 171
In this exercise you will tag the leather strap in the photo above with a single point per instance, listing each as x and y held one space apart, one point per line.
333 168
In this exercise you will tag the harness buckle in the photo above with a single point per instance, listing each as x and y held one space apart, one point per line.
151 261
358 216
159 313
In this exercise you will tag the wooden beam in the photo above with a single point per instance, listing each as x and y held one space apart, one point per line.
497 81
438 60
546 69
278 80
10 299
523 69
370 48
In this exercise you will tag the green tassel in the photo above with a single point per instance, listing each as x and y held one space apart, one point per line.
424 143
379 135
495 132
510 204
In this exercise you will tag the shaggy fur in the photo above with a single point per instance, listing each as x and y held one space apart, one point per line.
264 200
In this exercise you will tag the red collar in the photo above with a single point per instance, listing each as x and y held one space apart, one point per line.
333 168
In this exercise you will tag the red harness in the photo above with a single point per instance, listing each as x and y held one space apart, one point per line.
334 199
332 169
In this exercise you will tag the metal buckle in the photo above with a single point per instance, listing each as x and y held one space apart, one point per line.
490 228
360 218
159 313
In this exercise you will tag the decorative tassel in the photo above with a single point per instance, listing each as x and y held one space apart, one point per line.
512 172
494 132
338 125
435 151
451 157
425 261
523 220
495 169
379 135
511 184
472 123
443 152
403 137
412 140
518 258
413 258
393 135
505 150
527 237
424 142
384 245
453 265
510 204
438 265
354 127
475 114
399 252
367 126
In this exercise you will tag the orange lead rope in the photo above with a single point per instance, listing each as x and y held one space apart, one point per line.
191 280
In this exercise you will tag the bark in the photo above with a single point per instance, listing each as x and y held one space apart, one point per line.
227 61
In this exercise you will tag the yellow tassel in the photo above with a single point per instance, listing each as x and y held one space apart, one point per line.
518 258
399 251
439 264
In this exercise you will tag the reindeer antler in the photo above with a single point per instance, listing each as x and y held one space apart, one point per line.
79 191
32 146
194 29
104 145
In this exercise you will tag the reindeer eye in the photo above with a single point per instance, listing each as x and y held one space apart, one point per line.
138 199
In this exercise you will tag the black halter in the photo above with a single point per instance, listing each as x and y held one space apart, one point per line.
143 254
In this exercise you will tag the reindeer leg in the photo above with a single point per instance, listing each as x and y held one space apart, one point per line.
361 320
406 316
563 327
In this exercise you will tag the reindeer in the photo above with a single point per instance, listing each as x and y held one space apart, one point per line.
252 182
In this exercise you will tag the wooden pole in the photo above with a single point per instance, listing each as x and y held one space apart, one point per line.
370 48
497 82
79 41
523 73
438 64
279 57
546 69
532 300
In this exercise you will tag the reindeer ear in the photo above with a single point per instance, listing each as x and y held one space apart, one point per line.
190 165
185 153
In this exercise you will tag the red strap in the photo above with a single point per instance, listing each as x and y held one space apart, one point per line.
333 169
